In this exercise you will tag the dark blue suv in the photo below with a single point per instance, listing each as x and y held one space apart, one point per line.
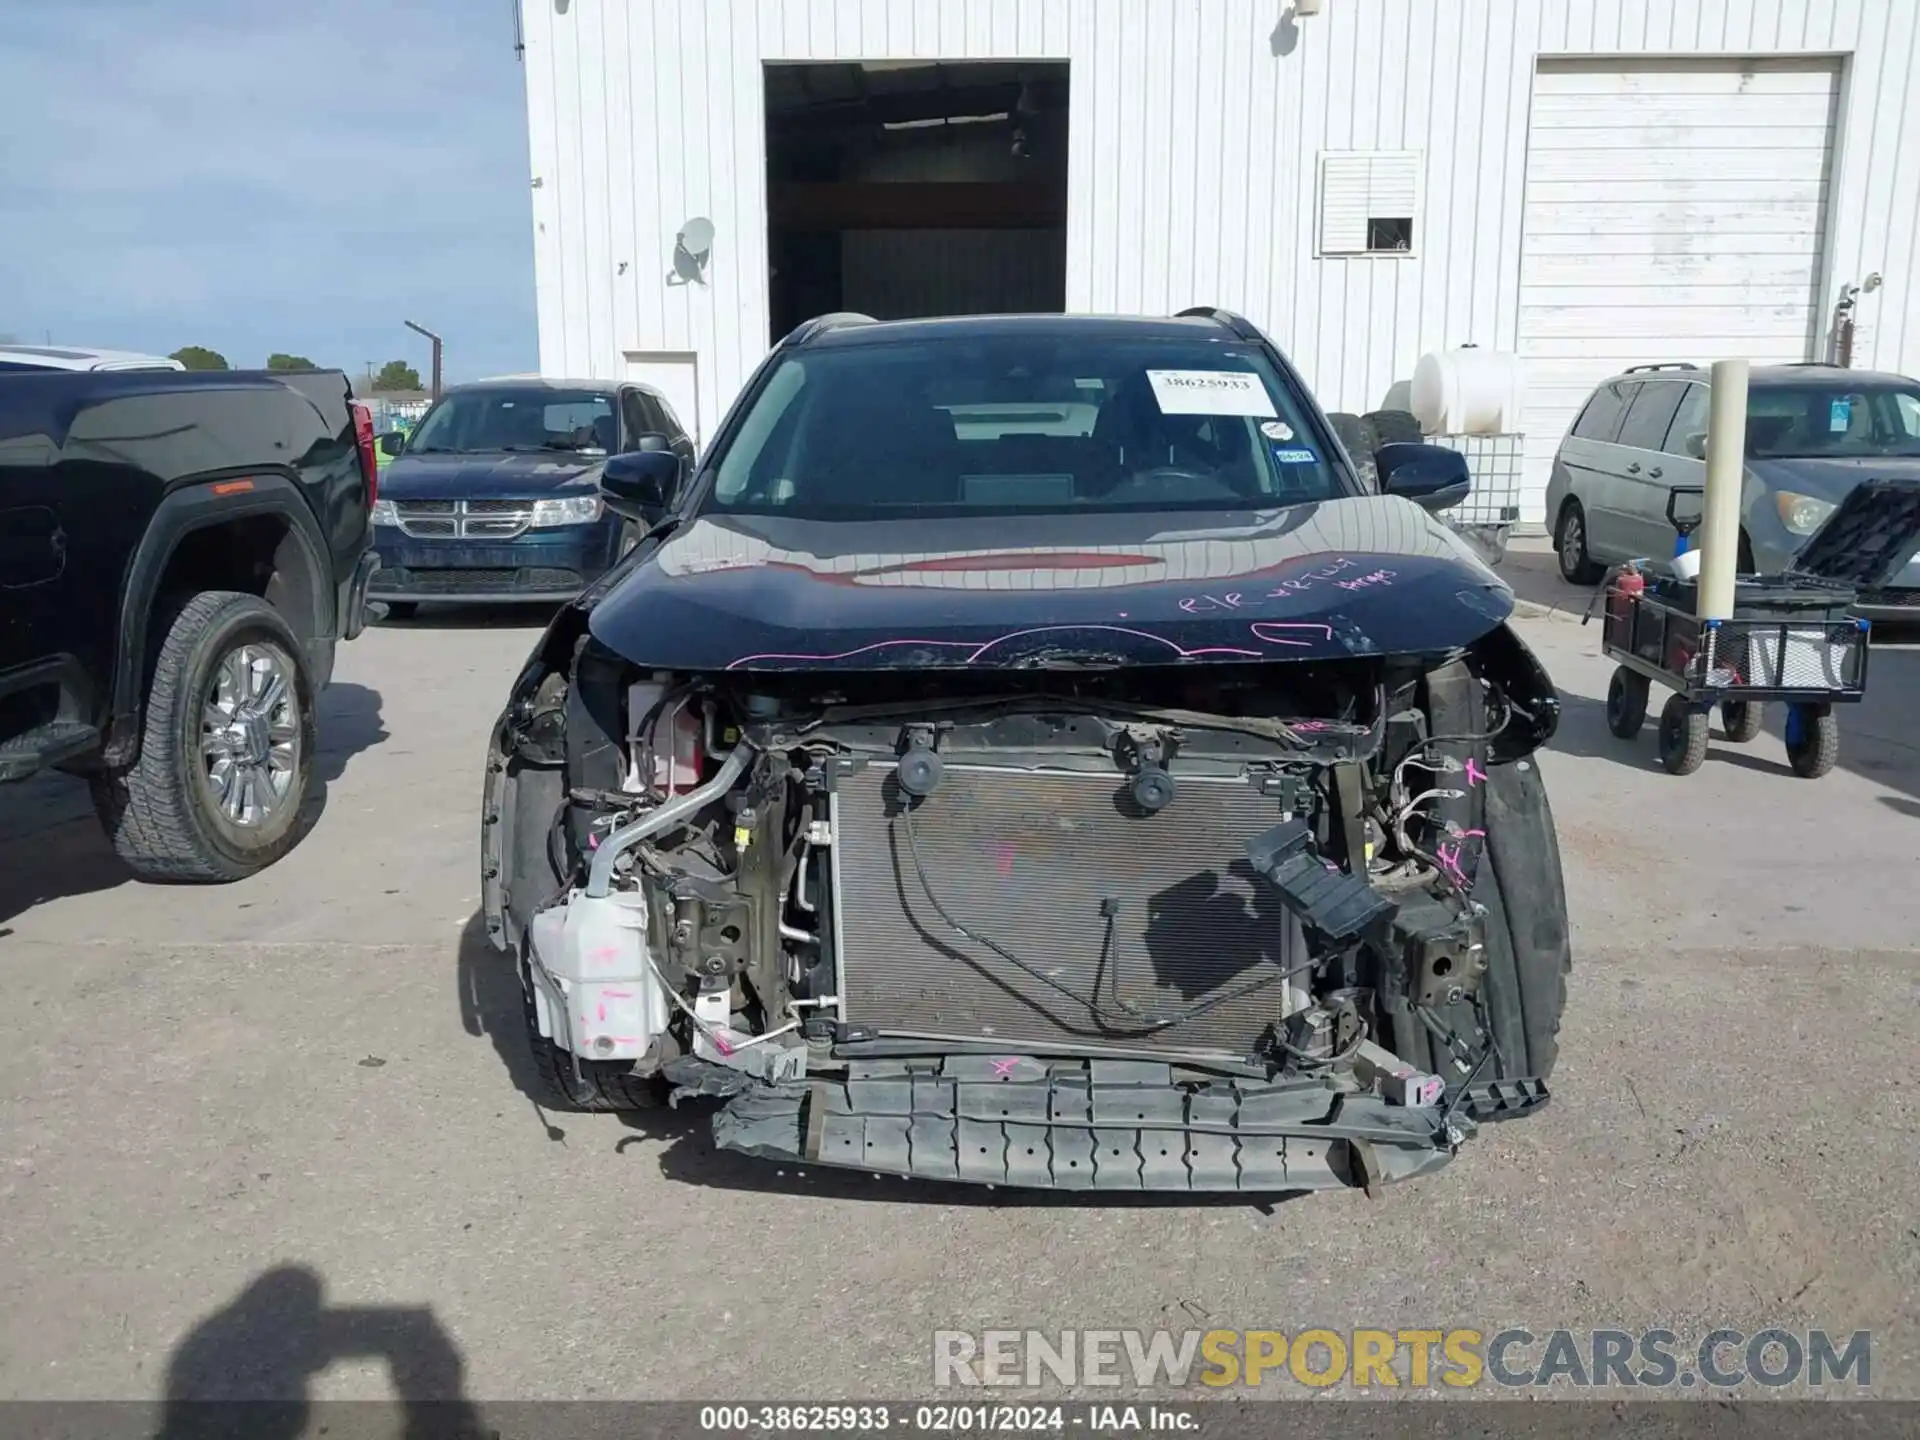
495 495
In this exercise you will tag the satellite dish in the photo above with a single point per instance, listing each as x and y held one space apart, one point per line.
696 236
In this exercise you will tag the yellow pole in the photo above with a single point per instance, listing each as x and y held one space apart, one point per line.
1726 465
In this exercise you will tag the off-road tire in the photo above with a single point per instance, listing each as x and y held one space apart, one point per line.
1742 720
1626 703
1813 743
1529 954
401 609
601 1087
1683 736
157 812
1390 427
1580 569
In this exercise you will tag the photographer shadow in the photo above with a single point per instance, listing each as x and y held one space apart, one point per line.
245 1370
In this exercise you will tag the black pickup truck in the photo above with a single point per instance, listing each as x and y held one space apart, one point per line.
180 553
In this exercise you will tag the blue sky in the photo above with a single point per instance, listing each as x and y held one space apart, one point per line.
296 175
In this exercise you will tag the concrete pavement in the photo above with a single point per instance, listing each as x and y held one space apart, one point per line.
282 1130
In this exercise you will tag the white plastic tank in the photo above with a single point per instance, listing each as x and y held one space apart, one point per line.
595 988
1468 391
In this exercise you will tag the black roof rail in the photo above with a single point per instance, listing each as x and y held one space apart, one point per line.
1238 324
1665 365
820 324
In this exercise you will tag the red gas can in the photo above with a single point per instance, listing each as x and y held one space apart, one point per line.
1627 588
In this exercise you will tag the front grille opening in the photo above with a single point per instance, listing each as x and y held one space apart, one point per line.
1034 863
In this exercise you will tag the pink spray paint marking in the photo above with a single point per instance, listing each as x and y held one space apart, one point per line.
603 1012
1004 1068
1475 775
618 994
1200 604
1003 854
720 1044
1368 582
973 653
1262 627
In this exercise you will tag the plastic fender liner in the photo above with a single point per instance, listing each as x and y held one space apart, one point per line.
1502 658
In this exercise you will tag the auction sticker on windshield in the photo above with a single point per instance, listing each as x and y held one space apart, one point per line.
1211 392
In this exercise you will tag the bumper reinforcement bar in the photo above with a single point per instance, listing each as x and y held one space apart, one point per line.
1103 1125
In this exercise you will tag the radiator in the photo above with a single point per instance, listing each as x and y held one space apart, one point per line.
1031 861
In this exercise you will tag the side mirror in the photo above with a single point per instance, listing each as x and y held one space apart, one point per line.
392 443
652 445
1431 476
640 485
1695 445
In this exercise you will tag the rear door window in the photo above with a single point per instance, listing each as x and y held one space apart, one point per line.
1689 419
1649 415
1601 419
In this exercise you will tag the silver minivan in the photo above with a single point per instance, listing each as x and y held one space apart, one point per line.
1814 432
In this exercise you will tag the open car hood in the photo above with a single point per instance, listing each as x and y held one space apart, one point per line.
1870 537
1373 575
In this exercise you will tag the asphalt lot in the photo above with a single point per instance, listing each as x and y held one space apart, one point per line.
279 1134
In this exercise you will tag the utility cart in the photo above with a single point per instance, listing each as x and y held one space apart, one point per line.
1792 637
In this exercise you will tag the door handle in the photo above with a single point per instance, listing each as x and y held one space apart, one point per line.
1656 472
1634 468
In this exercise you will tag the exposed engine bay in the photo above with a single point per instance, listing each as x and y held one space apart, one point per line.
1146 927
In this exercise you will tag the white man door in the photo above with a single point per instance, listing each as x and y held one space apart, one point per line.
676 375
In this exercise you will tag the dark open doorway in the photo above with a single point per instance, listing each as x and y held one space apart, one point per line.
908 188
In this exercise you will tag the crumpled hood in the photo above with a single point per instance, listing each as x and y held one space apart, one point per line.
484 477
1365 576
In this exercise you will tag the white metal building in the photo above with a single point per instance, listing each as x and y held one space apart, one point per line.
1590 183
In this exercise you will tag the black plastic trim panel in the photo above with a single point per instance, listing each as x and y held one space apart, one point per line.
1093 1125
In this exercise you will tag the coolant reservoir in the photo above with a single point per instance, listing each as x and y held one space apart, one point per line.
1468 391
597 990
674 742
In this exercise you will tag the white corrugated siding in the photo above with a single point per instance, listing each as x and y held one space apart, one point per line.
1676 210
1196 131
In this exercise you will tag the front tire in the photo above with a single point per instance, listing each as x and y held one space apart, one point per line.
1519 881
1577 565
1626 703
600 1087
226 752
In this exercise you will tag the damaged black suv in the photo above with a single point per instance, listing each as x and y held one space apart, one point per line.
1024 752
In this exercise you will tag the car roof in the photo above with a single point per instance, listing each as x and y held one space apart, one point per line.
858 330
1763 377
72 357
539 382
